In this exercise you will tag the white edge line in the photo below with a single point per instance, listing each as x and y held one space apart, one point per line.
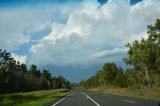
129 101
90 98
62 99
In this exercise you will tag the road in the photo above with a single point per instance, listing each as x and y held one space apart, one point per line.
84 98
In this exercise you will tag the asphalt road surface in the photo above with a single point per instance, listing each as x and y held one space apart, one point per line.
84 98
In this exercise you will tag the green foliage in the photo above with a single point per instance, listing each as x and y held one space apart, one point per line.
110 72
15 77
109 75
157 81
120 79
37 98
144 55
143 60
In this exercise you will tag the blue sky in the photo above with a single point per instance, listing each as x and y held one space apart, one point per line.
31 2
73 38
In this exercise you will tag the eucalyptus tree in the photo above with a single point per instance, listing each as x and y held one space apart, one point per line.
144 54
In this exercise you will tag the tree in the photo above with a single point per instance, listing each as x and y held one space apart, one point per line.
144 55
15 77
46 74
23 67
120 79
109 75
109 71
154 38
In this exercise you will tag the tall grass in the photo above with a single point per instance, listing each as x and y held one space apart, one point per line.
145 93
37 98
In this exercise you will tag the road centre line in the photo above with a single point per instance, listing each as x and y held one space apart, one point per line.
62 99
129 101
90 98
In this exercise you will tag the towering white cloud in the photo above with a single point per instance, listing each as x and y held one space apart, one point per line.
18 23
19 58
91 33
81 34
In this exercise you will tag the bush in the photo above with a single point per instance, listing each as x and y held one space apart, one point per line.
157 80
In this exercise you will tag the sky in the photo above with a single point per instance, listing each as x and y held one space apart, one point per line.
73 38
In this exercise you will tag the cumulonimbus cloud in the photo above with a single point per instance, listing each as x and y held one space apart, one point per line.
92 32
19 58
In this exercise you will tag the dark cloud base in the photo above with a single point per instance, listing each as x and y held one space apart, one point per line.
79 72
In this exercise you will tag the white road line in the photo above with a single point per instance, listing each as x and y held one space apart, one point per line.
90 98
61 99
129 101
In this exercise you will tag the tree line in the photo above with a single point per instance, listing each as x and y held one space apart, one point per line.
16 77
143 63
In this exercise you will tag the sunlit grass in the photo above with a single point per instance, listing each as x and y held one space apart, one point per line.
145 93
37 98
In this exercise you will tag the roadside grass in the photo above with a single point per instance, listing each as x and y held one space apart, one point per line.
37 98
145 93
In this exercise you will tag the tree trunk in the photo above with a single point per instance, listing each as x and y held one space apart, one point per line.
142 81
147 77
127 83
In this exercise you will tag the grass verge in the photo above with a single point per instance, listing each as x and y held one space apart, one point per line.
37 98
145 93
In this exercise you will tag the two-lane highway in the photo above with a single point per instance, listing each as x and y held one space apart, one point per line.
76 98
115 100
84 98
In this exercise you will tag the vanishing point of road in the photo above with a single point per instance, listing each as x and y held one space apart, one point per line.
84 98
